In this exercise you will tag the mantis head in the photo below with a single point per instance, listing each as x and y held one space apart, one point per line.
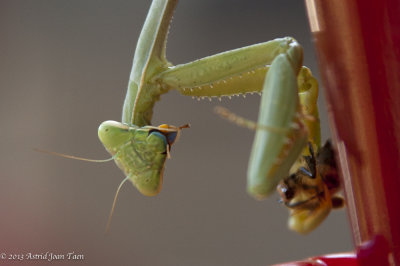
140 152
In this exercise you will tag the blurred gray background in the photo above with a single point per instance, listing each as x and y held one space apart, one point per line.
64 69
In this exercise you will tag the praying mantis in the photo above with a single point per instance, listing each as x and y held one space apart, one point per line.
287 131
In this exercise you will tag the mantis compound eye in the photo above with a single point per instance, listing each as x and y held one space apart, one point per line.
171 137
159 135
171 132
168 137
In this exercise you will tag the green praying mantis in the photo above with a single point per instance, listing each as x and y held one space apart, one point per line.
287 131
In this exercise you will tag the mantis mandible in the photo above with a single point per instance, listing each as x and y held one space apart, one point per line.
288 117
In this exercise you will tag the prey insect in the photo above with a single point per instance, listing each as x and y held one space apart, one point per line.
310 192
310 189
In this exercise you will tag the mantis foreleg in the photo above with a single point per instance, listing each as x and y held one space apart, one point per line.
273 154
237 71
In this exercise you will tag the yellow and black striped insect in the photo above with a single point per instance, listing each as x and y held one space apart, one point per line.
311 191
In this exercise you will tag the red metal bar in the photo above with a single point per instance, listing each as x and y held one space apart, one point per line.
373 252
348 259
358 47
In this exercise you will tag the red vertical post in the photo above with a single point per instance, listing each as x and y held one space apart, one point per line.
358 48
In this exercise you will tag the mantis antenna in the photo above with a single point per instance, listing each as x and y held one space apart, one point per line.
95 161
75 157
114 203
